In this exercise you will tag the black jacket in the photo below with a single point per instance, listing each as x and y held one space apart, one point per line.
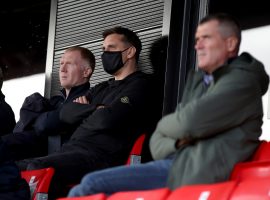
7 117
42 115
117 114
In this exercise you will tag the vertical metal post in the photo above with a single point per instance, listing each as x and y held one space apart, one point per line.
50 49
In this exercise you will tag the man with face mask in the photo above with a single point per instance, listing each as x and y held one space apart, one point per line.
112 115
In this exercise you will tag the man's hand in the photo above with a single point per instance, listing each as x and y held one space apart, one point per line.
100 106
181 142
82 100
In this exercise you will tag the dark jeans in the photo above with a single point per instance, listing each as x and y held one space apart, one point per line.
147 176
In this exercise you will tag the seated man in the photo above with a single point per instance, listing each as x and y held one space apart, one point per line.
7 117
39 117
111 116
217 124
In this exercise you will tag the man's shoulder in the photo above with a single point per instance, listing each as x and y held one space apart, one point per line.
136 77
140 81
102 84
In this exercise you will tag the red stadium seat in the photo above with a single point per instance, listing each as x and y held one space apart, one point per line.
100 196
251 170
263 152
39 182
158 194
218 191
136 151
252 190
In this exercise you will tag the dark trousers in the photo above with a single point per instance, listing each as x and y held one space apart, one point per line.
70 166
26 144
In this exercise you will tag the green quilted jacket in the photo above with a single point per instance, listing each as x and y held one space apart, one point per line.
222 123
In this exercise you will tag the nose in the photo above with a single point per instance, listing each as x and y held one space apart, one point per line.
62 67
198 44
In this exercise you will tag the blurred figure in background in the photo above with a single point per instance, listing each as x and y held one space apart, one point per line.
158 58
12 186
7 118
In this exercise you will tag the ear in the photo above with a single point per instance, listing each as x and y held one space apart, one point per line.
87 72
232 43
131 52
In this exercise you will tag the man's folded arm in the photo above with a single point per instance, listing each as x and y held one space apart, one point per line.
213 112
75 112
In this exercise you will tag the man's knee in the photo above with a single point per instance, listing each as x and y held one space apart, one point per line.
35 164
86 187
91 182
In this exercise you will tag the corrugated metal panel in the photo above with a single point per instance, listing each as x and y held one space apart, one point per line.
81 22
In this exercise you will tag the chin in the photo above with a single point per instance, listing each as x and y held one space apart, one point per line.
63 85
202 67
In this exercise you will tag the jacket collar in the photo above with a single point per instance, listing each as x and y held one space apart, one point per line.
113 82
76 90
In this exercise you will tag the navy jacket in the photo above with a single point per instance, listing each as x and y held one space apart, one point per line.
42 115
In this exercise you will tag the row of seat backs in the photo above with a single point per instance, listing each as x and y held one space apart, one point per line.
248 181
39 180
230 190
249 189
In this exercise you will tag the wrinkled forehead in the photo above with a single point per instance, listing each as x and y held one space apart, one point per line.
216 27
209 25
70 54
208 28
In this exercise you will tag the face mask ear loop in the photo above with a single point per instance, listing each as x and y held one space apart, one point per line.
125 49
127 59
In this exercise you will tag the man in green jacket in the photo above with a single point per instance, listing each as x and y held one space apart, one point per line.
216 125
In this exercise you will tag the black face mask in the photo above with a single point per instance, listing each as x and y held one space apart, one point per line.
112 61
